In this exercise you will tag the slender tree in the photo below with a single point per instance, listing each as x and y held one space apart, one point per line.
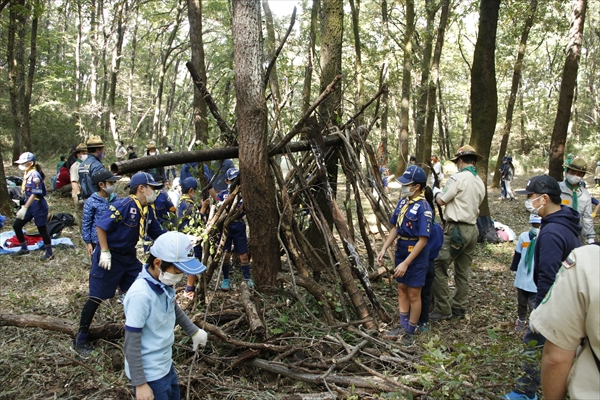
484 95
258 186
514 88
197 43
308 69
567 90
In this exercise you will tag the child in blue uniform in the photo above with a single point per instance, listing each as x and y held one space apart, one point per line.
524 266
35 206
151 314
237 237
412 218
96 205
114 261
189 217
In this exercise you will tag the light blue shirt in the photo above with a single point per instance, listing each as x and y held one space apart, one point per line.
153 314
524 280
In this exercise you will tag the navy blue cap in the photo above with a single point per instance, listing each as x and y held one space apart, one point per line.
189 183
143 178
541 184
413 174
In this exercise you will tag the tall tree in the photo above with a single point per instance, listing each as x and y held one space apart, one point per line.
484 95
359 96
308 69
332 30
122 10
406 82
514 88
567 89
271 48
197 43
258 186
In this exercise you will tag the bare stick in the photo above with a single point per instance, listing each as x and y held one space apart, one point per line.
272 63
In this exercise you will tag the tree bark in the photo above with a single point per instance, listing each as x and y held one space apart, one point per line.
484 95
406 82
16 74
514 88
121 9
257 182
6 204
567 89
332 29
359 95
198 60
271 47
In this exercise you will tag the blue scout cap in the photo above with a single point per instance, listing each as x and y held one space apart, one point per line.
542 184
413 174
25 158
535 219
189 183
143 178
232 173
176 248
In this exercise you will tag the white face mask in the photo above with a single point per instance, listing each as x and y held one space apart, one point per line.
152 153
573 179
405 190
83 157
150 199
534 231
22 167
529 206
109 189
170 279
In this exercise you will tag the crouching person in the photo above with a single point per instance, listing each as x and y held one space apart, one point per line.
151 314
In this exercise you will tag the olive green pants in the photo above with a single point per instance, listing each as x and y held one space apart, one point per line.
462 269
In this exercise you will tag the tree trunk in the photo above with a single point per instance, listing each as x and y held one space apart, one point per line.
29 85
567 89
423 92
359 95
484 95
433 82
16 74
332 29
271 48
257 182
514 88
130 83
406 81
6 204
197 43
122 11
384 81
308 69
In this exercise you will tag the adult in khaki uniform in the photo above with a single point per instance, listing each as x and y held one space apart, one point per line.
575 195
462 196
570 313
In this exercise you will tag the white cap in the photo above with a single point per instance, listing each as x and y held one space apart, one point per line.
176 248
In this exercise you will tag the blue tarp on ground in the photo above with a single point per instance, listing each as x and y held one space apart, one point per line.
4 236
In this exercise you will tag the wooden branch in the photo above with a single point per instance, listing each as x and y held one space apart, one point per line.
182 157
106 331
256 325
297 128
381 91
272 63
224 337
212 106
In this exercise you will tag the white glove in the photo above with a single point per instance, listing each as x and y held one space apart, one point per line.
21 213
193 239
436 191
591 241
105 258
199 339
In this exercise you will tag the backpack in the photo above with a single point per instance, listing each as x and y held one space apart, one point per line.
487 231
65 218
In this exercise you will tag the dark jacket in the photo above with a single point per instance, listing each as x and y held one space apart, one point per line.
559 235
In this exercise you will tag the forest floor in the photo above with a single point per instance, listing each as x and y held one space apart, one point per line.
477 357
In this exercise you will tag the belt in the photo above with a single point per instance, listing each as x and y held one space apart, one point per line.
460 223
407 238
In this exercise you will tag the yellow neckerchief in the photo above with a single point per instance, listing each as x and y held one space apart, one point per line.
143 215
28 172
406 206
187 213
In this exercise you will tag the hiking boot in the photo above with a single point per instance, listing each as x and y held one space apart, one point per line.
437 316
121 299
520 326
518 396
83 349
458 313
47 257
250 283
395 333
424 327
408 339
21 252
225 285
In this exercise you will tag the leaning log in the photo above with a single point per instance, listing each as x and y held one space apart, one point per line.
106 331
182 157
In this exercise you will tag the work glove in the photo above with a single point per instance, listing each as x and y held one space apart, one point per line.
21 213
593 215
591 240
436 191
105 258
199 339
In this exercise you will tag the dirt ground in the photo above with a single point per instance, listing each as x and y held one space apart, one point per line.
474 358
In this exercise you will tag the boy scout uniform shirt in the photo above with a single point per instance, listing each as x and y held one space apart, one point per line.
415 222
122 225
87 169
570 312
163 206
463 194
584 205
33 184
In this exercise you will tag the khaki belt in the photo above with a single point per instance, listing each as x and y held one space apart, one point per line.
407 238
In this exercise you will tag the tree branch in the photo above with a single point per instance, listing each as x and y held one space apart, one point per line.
272 63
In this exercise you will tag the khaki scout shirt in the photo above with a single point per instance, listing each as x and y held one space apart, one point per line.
463 194
570 312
